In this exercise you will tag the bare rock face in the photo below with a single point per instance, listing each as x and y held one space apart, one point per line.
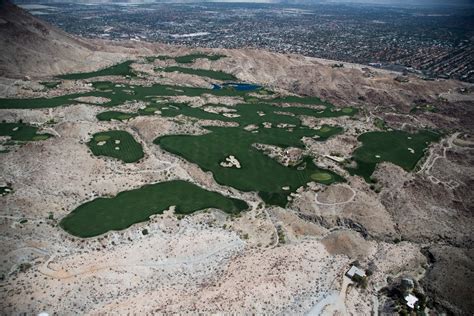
348 243
427 209
450 278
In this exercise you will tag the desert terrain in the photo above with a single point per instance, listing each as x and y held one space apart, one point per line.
270 258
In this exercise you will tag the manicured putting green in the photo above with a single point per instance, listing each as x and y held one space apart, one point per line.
127 208
325 129
321 176
398 147
116 144
21 132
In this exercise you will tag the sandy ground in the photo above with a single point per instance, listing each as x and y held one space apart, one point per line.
206 263
269 260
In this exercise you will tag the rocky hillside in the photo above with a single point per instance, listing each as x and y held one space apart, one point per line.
29 46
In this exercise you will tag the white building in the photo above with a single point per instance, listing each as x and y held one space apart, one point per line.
411 300
353 271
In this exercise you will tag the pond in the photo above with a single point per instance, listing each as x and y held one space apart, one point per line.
237 86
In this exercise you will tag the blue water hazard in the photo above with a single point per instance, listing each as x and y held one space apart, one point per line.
237 86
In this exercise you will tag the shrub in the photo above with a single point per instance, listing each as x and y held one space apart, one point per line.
360 281
24 266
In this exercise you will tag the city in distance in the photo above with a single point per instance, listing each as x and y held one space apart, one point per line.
432 41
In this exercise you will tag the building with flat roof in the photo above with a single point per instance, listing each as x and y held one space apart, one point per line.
355 271
411 300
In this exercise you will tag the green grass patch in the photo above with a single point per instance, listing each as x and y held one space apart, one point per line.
218 75
321 176
149 110
101 138
116 144
325 129
21 132
50 84
151 59
115 115
380 124
127 208
40 137
257 114
118 94
398 147
188 59
37 103
252 100
258 172
122 69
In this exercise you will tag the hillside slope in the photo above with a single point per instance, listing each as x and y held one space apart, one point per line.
29 46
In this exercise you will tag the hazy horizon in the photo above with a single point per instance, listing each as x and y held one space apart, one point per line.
374 2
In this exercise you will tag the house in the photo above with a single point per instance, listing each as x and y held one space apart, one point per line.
407 284
411 300
355 271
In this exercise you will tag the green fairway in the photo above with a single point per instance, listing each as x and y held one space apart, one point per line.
127 208
258 172
21 132
122 69
118 94
249 114
116 144
151 59
218 75
37 103
187 59
398 147
115 115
